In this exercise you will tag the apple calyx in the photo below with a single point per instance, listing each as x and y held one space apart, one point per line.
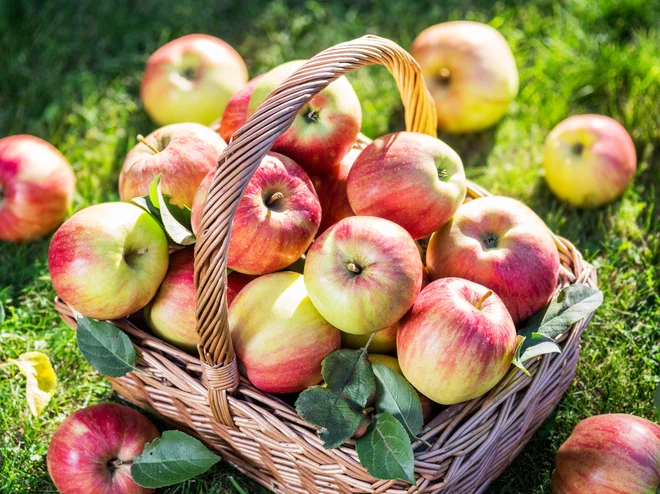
312 115
577 148
442 174
354 268
141 139
189 73
483 299
490 241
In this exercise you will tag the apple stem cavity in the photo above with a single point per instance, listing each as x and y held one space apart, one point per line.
483 299
351 266
444 77
116 463
142 140
189 73
275 197
578 148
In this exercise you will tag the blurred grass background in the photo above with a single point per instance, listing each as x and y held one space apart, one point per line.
70 73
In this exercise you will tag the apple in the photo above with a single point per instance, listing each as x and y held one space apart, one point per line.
470 72
384 340
36 188
276 219
235 283
331 189
589 160
363 274
107 261
191 79
182 153
500 243
93 449
171 313
324 130
609 454
279 337
412 179
456 342
235 114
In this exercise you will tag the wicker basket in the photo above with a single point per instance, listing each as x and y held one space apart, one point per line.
261 435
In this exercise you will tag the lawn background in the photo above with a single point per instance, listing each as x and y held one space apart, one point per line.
70 73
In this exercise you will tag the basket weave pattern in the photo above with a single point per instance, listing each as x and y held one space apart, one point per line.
261 435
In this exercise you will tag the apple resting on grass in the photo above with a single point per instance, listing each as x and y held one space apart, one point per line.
470 72
107 261
182 153
279 337
500 243
235 114
609 454
276 219
412 179
589 160
191 79
91 452
36 188
363 274
171 313
456 342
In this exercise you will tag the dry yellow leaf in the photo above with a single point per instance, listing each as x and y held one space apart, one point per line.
41 380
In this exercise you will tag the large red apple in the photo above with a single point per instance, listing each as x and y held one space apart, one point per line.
36 188
609 454
412 179
589 160
500 243
191 79
235 114
456 342
276 219
181 153
363 274
470 72
107 261
279 337
93 449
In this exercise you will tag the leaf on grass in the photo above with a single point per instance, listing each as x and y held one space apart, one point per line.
2 314
328 410
572 304
348 373
385 450
531 346
41 381
106 347
171 459
395 395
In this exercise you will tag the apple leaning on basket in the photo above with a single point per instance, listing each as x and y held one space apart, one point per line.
336 250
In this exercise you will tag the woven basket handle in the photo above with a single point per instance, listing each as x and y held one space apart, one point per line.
240 160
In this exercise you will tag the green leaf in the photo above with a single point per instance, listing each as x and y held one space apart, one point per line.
531 346
331 412
145 203
348 373
153 191
2 314
171 459
656 401
572 304
385 450
176 220
106 347
395 395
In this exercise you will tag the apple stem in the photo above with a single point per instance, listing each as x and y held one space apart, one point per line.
276 196
142 140
116 463
352 267
367 410
483 299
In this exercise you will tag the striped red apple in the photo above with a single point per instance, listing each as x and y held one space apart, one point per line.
236 113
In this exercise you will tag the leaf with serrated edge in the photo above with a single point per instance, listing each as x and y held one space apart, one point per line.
327 409
171 459
572 304
531 346
171 219
349 373
395 395
385 450
106 347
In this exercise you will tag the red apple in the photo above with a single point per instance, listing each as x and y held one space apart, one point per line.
279 337
456 342
36 188
499 243
182 153
276 219
470 72
107 261
93 449
363 274
235 114
589 160
324 130
235 283
412 179
191 79
609 454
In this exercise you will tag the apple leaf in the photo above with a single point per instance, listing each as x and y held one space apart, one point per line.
330 411
348 373
531 346
145 203
106 347
176 220
41 381
395 395
385 450
171 459
572 304
656 401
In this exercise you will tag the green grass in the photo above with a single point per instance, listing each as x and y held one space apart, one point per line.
71 72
